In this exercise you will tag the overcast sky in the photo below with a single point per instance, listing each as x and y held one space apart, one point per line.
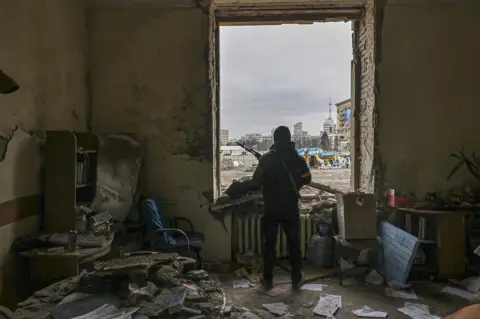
280 75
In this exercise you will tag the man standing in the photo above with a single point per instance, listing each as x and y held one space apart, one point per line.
281 173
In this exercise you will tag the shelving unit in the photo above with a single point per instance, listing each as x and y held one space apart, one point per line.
71 177
442 238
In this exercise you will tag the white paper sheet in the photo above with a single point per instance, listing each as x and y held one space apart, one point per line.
472 284
278 308
367 312
417 311
458 292
404 294
241 283
312 287
328 305
424 308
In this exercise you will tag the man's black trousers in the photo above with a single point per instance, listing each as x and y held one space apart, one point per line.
290 223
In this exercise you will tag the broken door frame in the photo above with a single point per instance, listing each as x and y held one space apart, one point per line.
275 12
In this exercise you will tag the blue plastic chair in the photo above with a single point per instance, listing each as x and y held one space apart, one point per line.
164 233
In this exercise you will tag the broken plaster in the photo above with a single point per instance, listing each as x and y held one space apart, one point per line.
6 139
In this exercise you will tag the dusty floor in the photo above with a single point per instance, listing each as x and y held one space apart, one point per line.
355 295
336 178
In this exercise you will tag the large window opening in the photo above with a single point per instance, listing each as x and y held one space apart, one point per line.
297 75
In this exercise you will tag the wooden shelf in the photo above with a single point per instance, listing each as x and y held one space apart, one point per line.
67 182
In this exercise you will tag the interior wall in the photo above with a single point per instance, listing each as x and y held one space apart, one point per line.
44 50
429 102
149 76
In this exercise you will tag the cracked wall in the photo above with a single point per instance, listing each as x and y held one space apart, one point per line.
149 76
429 92
43 49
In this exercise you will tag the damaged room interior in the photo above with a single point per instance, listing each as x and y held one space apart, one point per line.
112 154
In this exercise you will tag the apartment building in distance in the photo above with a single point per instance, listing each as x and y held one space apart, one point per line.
297 130
224 137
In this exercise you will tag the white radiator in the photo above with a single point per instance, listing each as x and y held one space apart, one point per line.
249 236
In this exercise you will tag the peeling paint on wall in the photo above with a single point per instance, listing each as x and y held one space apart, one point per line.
149 75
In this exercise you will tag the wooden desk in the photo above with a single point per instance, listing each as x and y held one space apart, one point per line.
448 238
47 266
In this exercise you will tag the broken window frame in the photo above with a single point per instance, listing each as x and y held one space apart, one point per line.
270 12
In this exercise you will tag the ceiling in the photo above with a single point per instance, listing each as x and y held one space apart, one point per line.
233 12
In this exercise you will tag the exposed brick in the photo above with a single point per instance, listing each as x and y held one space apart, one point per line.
366 49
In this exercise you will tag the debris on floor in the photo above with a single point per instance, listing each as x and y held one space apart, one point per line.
312 287
242 283
367 312
278 308
149 285
404 294
278 290
328 305
417 311
472 284
458 292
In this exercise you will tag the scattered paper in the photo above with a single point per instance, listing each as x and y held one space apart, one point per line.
472 284
404 294
424 308
278 308
312 287
328 305
417 311
374 278
241 283
458 292
367 312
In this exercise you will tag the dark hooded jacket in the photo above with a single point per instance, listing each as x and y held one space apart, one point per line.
279 193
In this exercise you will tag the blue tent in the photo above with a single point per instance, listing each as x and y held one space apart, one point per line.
328 154
311 150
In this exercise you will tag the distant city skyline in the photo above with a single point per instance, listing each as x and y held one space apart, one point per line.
281 75
291 127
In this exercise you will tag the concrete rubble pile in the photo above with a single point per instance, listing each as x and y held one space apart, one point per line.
226 163
152 285
324 211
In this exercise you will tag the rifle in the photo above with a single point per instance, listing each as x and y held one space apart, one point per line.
250 150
